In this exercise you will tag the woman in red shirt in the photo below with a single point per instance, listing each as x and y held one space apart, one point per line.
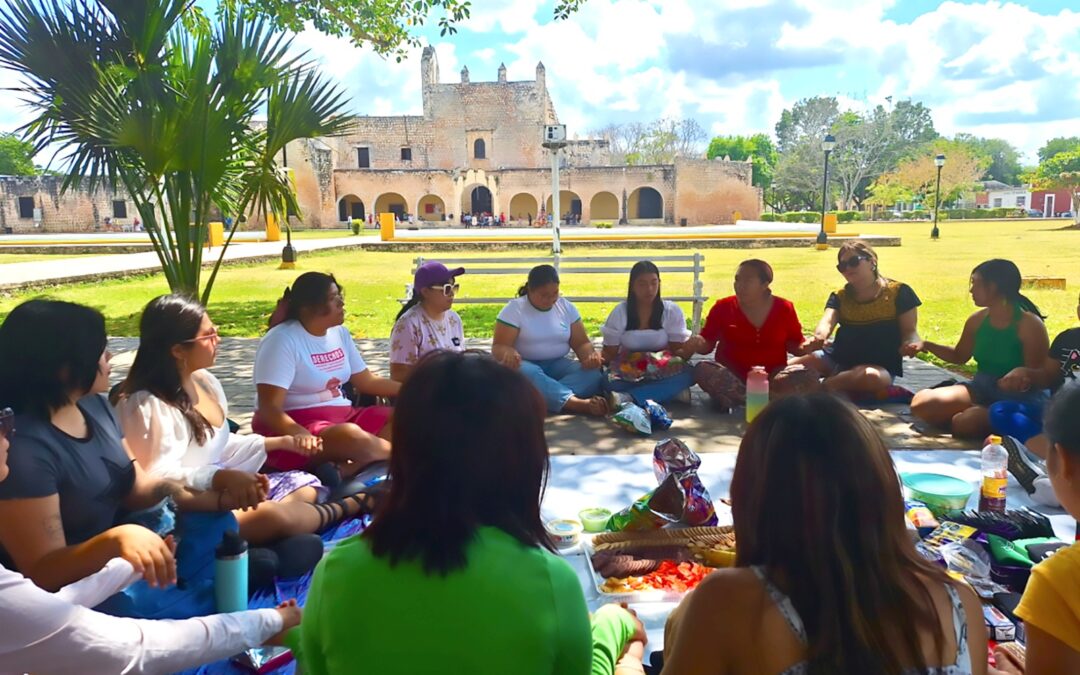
751 328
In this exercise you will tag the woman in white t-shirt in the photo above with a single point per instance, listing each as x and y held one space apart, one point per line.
174 413
535 331
646 323
426 323
301 367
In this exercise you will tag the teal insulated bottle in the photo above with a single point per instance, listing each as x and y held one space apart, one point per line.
231 573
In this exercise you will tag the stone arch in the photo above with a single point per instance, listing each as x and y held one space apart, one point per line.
392 202
645 203
524 207
431 207
604 206
569 202
351 207
479 149
477 198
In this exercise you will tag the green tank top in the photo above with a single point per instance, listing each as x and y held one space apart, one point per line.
999 350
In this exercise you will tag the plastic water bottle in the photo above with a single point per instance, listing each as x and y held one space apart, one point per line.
231 573
757 392
995 463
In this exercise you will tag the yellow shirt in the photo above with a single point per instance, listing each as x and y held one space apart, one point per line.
1051 601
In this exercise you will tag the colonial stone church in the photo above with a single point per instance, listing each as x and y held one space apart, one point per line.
477 148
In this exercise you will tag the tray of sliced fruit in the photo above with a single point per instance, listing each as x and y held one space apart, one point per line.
657 566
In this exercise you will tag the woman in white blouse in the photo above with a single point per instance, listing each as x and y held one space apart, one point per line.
646 322
174 415
57 633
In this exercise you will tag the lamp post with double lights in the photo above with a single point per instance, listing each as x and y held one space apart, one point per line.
827 145
939 162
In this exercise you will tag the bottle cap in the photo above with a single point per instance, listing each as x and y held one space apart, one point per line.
994 440
231 545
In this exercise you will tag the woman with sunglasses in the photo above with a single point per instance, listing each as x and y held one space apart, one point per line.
302 367
57 633
426 323
1009 342
874 317
174 415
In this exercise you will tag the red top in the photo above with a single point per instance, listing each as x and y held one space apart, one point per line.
741 345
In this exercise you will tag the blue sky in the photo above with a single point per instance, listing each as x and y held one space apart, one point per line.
991 68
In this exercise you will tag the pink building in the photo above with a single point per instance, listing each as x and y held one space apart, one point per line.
1051 202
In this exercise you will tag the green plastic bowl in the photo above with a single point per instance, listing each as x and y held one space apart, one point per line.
940 493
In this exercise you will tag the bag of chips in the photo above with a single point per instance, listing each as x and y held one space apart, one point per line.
673 458
658 415
652 510
632 418
642 366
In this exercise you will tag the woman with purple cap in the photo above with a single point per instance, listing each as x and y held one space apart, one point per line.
426 323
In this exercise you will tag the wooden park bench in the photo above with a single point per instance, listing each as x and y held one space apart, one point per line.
572 266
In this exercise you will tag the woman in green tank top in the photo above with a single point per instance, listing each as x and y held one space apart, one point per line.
1006 337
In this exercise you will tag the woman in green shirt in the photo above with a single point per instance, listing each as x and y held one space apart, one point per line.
1006 337
456 573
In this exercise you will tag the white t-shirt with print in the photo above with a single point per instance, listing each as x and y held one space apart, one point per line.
416 334
541 335
673 329
311 368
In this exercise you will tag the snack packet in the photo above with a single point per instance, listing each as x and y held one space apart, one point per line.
672 457
632 418
652 510
639 366
658 415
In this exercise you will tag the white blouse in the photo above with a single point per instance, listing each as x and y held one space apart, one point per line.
56 633
163 442
673 329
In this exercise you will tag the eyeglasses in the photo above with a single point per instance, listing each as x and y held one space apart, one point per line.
7 423
448 289
851 263
212 335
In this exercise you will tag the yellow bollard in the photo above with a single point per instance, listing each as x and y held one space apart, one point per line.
830 223
386 226
273 230
736 217
215 235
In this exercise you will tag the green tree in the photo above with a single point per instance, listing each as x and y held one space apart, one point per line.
1058 145
916 177
810 117
138 100
758 148
1061 172
16 156
1004 159
387 26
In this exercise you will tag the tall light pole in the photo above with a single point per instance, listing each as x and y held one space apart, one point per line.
554 140
939 162
827 145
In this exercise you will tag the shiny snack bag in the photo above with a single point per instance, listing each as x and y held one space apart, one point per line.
658 415
652 510
672 457
633 418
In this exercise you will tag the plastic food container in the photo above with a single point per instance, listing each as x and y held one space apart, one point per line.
595 519
564 532
940 493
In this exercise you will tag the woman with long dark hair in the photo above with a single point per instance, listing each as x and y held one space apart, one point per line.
301 368
1007 338
426 323
875 318
458 549
646 322
827 579
174 414
536 331
751 328
58 633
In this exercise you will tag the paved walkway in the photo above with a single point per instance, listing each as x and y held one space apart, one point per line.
91 267
696 423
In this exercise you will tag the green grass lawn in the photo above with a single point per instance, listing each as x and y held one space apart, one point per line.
330 234
938 271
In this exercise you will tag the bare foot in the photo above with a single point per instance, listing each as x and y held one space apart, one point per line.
594 407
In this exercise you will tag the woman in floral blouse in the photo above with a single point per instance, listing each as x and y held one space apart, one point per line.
426 323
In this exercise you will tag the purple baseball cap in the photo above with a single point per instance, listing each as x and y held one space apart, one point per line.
433 273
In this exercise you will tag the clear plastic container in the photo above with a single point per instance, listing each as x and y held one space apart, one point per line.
757 392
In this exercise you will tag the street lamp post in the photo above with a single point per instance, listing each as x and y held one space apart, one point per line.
939 161
827 145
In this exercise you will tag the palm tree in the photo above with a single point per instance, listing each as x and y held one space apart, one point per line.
136 95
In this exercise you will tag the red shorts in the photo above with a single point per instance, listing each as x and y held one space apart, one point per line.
371 419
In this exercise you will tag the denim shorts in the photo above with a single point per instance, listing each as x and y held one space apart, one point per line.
984 391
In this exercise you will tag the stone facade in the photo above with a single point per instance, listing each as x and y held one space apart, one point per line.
478 147
34 204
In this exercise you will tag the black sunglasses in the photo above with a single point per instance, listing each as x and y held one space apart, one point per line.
7 423
851 263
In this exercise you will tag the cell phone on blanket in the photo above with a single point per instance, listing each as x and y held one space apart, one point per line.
263 660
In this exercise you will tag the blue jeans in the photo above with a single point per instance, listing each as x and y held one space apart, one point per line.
661 391
559 379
